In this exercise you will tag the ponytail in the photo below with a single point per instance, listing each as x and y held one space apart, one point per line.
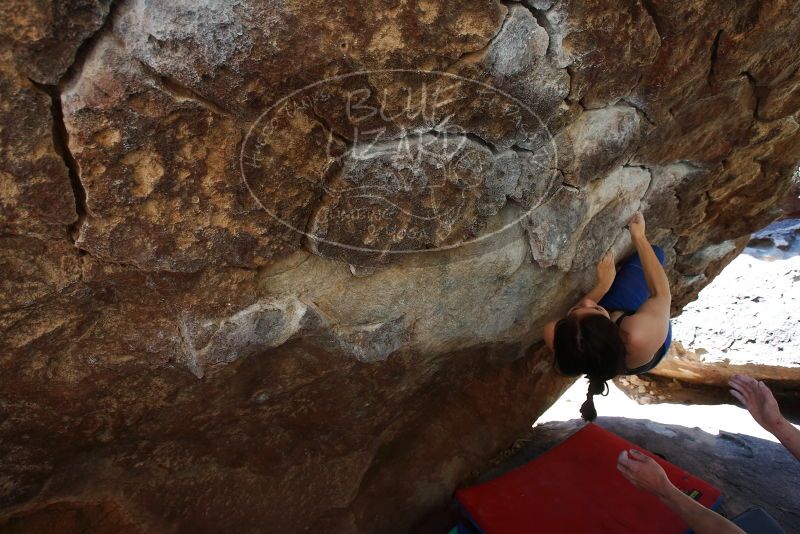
591 346
596 387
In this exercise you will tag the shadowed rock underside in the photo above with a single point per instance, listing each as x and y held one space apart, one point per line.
205 329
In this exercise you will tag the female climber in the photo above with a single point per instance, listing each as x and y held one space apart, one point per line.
621 326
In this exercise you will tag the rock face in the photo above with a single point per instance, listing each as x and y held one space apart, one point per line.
751 472
283 266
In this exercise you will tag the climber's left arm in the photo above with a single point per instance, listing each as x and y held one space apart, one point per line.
606 272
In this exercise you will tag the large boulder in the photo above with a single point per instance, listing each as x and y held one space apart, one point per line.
284 266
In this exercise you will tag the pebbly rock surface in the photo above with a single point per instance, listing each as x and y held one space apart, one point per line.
284 266
751 472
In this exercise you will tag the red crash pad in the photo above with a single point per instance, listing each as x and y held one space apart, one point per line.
576 488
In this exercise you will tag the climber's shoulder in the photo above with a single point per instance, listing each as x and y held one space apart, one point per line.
644 335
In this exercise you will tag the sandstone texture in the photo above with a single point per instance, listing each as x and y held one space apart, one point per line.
751 472
283 266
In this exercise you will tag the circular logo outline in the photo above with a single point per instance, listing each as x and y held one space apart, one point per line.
318 239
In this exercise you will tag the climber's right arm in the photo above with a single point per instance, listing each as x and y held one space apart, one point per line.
648 327
654 275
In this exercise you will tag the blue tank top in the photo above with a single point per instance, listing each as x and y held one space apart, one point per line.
628 292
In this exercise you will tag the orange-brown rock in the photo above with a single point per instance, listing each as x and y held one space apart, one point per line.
278 267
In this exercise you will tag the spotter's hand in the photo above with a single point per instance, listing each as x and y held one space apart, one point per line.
758 399
643 472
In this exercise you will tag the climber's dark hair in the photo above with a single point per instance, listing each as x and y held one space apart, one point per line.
592 346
